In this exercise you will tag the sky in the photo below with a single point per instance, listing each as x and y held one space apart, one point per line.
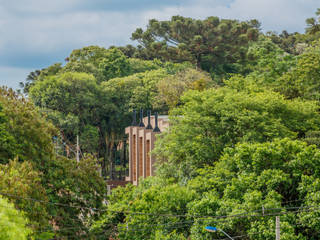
38 33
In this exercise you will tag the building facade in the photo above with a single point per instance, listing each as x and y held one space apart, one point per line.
141 138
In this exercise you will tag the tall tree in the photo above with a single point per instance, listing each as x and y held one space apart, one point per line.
303 80
172 87
211 120
20 182
39 75
76 192
32 134
212 44
313 24
76 103
103 63
54 183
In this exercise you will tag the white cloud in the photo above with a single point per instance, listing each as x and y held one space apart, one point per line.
275 15
33 29
11 76
65 30
76 29
39 6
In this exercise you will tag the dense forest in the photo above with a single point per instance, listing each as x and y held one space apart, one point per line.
243 145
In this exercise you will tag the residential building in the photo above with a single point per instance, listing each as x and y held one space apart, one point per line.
141 139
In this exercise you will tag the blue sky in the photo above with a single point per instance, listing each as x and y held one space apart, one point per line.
38 33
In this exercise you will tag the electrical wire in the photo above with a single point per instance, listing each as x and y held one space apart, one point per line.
240 215
298 209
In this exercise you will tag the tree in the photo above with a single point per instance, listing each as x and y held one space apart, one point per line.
313 24
273 175
20 182
172 87
132 92
286 41
268 62
213 119
13 224
303 79
139 66
103 63
75 101
79 104
76 192
214 45
8 144
273 69
48 188
155 198
31 135
242 193
39 75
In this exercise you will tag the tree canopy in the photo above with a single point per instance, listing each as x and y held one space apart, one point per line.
28 131
13 224
216 45
242 146
213 119
37 180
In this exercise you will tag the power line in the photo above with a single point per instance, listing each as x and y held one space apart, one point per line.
173 225
298 209
48 202
240 215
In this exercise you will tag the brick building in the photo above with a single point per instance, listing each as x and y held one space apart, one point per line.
141 138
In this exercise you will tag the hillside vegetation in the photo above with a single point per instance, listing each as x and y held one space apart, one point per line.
243 144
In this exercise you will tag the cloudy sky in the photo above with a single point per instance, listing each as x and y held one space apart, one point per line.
38 33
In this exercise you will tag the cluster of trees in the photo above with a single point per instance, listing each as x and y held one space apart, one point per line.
46 191
243 144
240 150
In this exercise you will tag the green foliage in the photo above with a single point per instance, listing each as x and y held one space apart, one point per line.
115 64
67 93
68 123
161 235
154 197
268 61
303 80
103 63
27 131
172 87
288 42
45 186
39 75
139 65
313 24
74 184
8 145
19 182
272 68
250 176
235 151
13 224
90 142
211 120
212 44
74 102
313 137
136 91
79 103
249 185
